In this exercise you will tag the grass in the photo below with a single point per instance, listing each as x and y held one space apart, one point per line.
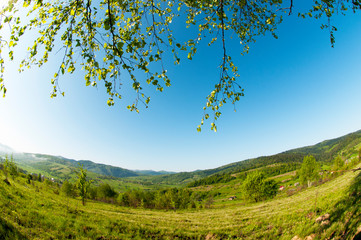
38 212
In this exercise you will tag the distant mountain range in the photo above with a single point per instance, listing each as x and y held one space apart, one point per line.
152 172
325 151
53 164
61 167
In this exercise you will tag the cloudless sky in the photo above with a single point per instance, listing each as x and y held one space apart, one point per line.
298 91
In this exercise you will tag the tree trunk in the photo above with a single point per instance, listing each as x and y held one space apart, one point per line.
309 183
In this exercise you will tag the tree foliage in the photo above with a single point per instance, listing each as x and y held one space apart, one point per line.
39 177
105 191
172 198
309 171
82 183
256 187
213 179
128 43
9 167
68 189
338 163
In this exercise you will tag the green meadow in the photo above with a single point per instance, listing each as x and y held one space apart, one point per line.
38 211
189 205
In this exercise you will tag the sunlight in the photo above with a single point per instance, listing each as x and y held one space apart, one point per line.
3 3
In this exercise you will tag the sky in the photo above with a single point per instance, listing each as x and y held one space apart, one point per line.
298 91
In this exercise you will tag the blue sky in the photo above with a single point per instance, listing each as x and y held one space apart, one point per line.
298 91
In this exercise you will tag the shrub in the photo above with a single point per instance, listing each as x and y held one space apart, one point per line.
257 188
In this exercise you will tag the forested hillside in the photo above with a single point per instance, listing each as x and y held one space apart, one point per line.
62 168
33 209
324 152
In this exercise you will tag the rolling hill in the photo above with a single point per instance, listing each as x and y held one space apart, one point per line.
325 152
60 167
39 210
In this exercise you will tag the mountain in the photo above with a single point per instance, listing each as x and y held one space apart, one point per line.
152 172
107 170
61 167
323 152
328 211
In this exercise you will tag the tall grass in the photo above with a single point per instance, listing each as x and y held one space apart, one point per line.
36 211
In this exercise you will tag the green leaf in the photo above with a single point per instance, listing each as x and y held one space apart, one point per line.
189 56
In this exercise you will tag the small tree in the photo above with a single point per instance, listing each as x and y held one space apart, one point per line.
309 170
124 199
92 192
9 167
257 188
82 183
338 163
29 177
68 190
13 168
4 167
105 191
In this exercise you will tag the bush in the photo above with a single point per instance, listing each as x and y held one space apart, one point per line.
67 189
257 188
105 191
309 171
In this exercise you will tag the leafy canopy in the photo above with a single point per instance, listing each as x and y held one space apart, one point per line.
82 183
309 171
67 189
338 163
9 167
256 186
109 39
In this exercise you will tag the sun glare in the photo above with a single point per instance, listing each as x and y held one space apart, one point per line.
3 3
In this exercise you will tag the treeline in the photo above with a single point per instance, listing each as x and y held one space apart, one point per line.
168 199
269 171
281 158
83 188
278 169
326 151
172 198
179 179
216 178
103 192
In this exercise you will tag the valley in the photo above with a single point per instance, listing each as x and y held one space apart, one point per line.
217 209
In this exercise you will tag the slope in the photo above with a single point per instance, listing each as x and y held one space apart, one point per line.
38 211
324 152
62 168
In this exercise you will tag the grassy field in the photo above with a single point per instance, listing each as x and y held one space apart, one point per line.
38 211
